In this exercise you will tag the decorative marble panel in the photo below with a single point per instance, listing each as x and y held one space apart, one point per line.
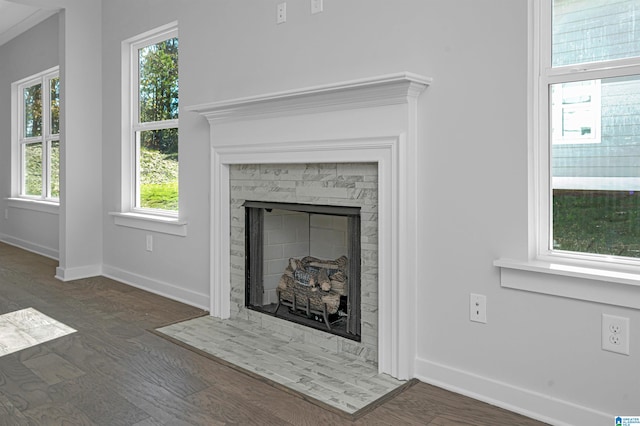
341 184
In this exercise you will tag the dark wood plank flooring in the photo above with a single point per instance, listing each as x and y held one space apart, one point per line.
113 371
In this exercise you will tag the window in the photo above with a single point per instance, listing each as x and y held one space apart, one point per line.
587 131
36 113
153 130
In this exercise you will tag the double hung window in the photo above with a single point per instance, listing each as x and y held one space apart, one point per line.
587 130
37 136
153 131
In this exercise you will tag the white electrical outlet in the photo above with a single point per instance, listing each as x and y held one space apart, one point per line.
316 6
615 334
281 13
149 242
478 308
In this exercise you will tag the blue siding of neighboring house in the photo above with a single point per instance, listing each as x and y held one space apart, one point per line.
618 153
614 36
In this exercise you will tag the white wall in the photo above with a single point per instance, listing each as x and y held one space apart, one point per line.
33 230
178 266
534 348
80 136
537 354
79 55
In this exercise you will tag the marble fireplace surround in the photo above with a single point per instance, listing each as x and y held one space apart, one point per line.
367 120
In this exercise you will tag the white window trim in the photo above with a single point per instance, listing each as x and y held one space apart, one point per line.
128 215
35 205
18 199
597 278
156 223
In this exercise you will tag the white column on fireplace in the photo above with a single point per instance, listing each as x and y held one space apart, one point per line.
368 120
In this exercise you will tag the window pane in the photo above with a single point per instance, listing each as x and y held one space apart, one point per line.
158 169
576 112
600 222
54 86
33 169
595 31
596 187
54 170
158 81
32 97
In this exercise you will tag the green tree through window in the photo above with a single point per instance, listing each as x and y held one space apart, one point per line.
37 119
33 111
158 112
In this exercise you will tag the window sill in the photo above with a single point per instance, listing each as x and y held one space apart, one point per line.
592 284
36 205
162 224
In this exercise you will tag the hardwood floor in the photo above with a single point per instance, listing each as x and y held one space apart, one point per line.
113 371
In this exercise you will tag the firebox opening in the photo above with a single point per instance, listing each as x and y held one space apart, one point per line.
303 264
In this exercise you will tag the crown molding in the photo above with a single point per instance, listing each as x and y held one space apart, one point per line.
28 22
391 89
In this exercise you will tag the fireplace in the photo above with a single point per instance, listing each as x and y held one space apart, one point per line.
371 121
303 264
314 216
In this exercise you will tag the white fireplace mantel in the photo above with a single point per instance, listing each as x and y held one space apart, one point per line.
369 92
368 120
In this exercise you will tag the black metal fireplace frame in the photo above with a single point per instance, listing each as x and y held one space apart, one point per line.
254 273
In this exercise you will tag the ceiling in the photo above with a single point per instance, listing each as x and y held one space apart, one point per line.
17 18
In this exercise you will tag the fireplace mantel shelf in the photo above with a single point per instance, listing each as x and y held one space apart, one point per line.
391 89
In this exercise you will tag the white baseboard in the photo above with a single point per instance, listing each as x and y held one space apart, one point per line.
513 398
198 300
49 252
70 274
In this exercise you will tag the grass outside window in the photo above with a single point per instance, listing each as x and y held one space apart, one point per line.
599 222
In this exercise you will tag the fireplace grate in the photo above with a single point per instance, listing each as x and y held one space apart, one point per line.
312 290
